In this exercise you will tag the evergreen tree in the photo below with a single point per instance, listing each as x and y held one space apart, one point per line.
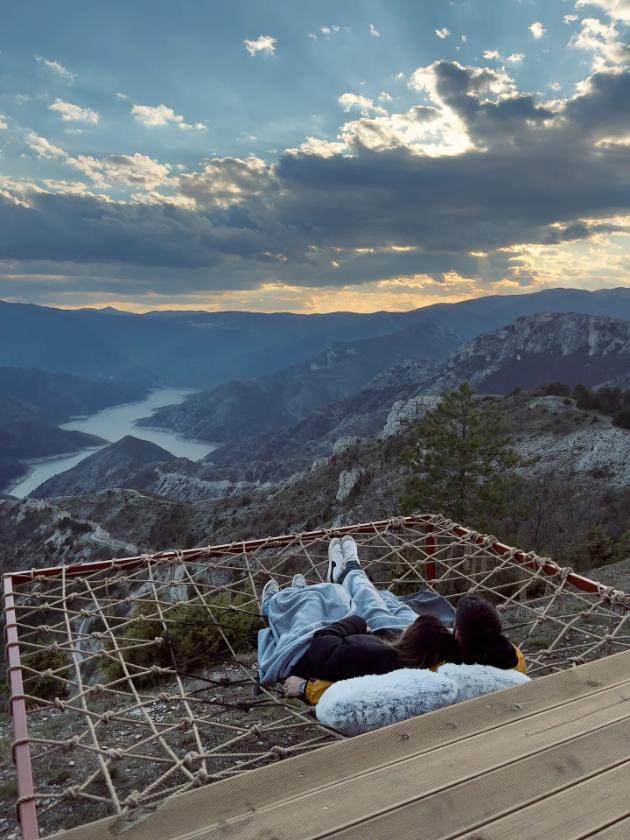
461 460
595 548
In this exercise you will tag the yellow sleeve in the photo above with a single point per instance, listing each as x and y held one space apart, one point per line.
314 691
521 665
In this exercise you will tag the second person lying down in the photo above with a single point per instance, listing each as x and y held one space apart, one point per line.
319 634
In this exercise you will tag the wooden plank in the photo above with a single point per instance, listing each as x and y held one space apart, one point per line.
324 812
572 814
353 758
620 830
469 804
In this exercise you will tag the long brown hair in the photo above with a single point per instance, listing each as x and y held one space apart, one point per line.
425 644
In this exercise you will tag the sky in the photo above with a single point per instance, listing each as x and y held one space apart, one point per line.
278 156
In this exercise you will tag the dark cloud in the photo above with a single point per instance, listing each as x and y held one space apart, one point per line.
255 222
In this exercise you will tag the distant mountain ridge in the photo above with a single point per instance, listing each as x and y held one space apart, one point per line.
205 349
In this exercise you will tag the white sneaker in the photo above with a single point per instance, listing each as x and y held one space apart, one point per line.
349 550
336 561
299 581
269 589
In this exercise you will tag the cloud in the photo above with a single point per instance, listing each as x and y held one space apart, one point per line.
408 200
374 31
569 19
601 39
355 102
160 115
3 123
74 113
616 9
264 44
122 170
42 147
442 33
495 55
228 182
537 30
385 97
57 68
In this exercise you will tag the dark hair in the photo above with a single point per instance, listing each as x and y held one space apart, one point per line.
425 644
480 635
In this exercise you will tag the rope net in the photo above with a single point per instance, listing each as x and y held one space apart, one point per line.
139 675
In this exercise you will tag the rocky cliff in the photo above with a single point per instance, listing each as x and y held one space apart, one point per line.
566 347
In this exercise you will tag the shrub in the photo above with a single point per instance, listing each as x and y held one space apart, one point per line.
192 637
46 685
556 389
622 418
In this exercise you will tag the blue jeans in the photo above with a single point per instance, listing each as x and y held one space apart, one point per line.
382 610
296 613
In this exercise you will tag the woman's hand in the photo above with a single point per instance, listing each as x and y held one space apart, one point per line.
293 686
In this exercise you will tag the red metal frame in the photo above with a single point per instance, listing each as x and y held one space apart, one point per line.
26 809
27 813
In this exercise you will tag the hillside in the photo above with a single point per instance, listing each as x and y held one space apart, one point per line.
255 418
25 433
360 482
60 397
567 347
109 467
239 408
33 402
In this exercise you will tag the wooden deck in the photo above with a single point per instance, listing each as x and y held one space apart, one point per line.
550 759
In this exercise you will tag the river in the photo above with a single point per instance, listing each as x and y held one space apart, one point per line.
112 424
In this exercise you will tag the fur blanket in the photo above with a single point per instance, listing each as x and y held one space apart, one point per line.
366 703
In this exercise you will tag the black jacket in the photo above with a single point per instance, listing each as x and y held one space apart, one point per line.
343 650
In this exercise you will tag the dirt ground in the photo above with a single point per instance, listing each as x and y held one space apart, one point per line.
233 710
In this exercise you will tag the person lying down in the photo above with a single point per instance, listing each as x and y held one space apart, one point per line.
344 628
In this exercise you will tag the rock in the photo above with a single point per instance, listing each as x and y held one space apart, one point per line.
343 443
348 480
406 412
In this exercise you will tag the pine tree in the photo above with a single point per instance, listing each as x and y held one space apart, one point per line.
462 461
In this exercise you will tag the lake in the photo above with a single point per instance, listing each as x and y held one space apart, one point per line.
113 424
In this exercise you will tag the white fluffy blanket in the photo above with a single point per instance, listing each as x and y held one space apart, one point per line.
366 703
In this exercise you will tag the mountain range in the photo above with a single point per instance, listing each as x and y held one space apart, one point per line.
205 349
530 353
